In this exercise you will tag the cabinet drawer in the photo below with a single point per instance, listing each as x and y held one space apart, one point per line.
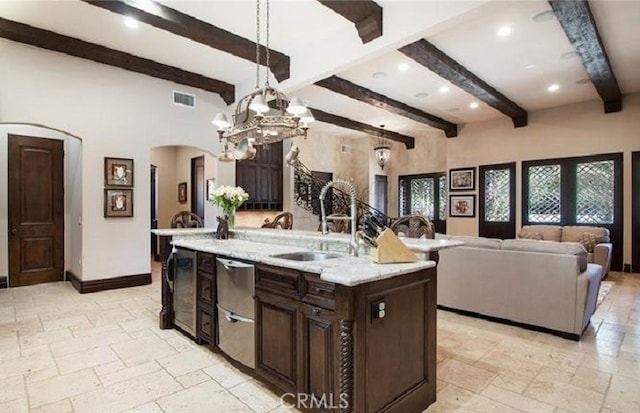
206 262
206 288
280 281
318 292
205 326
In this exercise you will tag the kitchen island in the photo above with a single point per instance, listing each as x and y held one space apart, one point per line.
341 334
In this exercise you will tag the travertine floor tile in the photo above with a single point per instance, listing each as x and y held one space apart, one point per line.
566 396
192 360
12 389
15 406
193 378
255 396
142 350
146 408
517 401
25 365
464 375
84 359
226 375
591 379
128 373
127 394
63 406
624 395
62 387
203 398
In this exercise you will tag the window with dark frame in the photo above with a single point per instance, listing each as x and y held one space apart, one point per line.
424 194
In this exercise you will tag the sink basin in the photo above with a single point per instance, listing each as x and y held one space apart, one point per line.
307 256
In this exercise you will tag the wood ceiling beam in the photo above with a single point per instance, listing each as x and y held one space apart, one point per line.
578 23
173 21
343 122
365 14
347 88
45 39
447 68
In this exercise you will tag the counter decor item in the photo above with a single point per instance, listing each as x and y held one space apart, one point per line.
229 198
391 249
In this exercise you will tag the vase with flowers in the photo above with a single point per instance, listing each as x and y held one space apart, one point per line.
229 198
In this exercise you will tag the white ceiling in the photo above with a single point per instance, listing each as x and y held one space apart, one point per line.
321 43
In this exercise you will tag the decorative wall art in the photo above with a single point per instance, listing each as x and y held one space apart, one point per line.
182 192
118 172
211 186
462 179
462 206
118 203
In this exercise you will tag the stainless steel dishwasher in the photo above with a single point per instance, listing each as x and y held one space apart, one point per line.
236 326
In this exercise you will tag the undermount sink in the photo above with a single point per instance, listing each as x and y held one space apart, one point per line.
307 256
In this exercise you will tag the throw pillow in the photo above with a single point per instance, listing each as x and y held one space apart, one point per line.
588 241
530 235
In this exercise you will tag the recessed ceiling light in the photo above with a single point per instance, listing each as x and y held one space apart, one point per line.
473 105
504 31
584 81
553 88
444 89
130 22
568 55
379 75
453 109
545 16
422 95
403 67
531 66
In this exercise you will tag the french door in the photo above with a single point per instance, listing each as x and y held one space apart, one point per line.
497 201
576 191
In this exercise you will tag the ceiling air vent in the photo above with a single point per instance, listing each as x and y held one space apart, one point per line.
184 99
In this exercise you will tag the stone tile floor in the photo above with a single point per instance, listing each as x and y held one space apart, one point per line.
103 352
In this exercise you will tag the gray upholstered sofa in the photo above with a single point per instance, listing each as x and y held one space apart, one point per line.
537 283
598 252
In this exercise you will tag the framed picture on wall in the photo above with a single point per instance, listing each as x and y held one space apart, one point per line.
462 206
211 186
118 172
118 203
182 192
462 179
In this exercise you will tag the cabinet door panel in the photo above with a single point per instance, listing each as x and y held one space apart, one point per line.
277 340
318 353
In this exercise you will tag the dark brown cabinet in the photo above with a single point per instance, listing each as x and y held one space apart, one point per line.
206 298
262 178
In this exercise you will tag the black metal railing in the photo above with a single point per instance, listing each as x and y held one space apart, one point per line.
306 190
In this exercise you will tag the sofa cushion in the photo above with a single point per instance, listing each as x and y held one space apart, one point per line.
571 248
588 240
573 233
549 232
492 243
530 235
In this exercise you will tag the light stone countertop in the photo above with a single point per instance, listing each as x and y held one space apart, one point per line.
182 231
259 245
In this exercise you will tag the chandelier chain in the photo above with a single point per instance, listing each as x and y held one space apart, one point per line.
266 81
258 44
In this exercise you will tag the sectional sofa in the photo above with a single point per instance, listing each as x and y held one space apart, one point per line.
541 284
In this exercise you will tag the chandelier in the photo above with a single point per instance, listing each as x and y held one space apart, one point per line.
382 150
262 117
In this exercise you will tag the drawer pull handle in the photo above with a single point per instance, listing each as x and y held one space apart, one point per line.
315 311
206 324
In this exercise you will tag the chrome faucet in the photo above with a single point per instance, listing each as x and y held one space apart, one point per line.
353 243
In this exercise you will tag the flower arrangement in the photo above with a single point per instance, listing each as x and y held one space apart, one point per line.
229 198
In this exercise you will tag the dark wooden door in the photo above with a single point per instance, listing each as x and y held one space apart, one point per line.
635 213
197 186
497 201
36 210
154 212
